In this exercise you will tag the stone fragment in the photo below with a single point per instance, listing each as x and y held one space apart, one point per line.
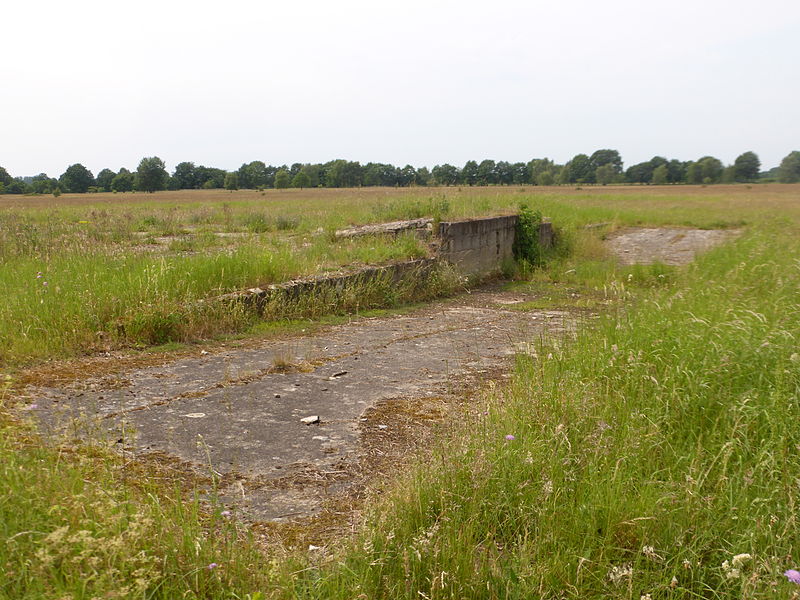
310 420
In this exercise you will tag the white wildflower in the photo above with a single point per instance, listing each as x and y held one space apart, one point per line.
650 553
740 559
733 574
618 573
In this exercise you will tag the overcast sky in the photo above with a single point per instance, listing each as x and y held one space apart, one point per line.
420 82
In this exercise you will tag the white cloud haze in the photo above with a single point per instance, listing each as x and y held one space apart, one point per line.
219 84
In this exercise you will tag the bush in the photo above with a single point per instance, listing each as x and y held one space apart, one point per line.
526 239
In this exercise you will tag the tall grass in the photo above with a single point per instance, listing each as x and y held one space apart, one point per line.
80 524
655 455
83 300
643 458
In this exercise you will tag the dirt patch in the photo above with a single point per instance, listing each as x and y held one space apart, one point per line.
671 246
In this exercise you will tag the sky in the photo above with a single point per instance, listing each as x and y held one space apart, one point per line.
412 82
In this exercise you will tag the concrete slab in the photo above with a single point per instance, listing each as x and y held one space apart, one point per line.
235 413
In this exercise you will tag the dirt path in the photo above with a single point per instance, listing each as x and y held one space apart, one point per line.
240 412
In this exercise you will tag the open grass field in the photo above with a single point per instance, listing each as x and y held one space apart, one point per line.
655 456
88 273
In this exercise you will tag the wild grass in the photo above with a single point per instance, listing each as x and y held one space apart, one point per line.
653 456
82 523
647 457
128 269
85 301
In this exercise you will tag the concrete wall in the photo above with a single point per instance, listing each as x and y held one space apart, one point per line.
480 246
331 286
477 246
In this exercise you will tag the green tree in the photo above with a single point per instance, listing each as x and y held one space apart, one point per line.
660 175
710 169
423 176
693 173
503 172
282 179
42 184
253 175
564 174
581 169
343 173
605 174
728 174
406 176
676 171
469 173
186 176
639 173
314 173
445 174
104 179
151 175
209 178
76 179
17 186
604 157
380 174
486 172
789 170
123 181
545 178
301 180
5 178
232 181
519 173
747 166
538 166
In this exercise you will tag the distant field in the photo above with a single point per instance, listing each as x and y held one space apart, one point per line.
82 273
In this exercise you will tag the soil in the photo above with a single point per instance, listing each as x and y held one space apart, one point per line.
374 388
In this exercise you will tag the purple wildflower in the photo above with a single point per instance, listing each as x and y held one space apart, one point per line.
44 283
225 513
212 566
793 576
510 438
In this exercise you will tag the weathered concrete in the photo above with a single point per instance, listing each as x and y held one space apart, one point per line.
392 274
668 245
234 412
477 246
420 227
480 246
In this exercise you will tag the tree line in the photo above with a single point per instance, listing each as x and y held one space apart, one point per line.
602 167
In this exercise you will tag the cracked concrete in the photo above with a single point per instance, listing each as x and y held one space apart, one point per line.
234 412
